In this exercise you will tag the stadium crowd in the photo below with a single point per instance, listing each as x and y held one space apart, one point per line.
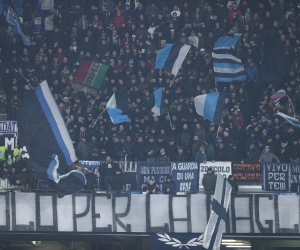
128 37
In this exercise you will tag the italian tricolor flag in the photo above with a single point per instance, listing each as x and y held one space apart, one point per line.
89 77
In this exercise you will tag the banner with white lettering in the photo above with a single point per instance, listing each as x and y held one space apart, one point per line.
8 135
129 170
264 213
246 173
158 171
185 175
221 167
295 177
276 176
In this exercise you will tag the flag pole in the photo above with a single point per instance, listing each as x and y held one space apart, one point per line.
16 71
169 119
291 104
98 118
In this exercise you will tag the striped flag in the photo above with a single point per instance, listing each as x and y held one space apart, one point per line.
156 103
293 121
210 106
89 77
171 57
45 141
117 106
278 95
216 225
227 67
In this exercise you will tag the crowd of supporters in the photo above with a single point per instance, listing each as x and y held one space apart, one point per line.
127 37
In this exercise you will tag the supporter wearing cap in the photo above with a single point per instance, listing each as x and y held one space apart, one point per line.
91 180
267 156
169 187
253 155
209 181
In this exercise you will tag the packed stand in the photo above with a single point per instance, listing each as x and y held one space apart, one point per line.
128 37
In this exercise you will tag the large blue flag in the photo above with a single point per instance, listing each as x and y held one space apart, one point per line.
210 106
227 68
13 19
117 106
156 103
45 142
171 57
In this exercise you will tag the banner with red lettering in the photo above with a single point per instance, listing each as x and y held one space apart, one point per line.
245 173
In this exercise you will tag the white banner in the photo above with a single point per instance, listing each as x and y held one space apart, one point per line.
98 212
8 134
221 167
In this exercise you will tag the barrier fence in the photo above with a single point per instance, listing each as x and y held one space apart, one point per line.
188 176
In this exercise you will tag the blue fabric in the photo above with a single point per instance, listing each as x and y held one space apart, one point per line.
210 105
227 65
294 122
54 126
158 96
252 73
221 79
228 41
51 168
116 115
13 19
162 56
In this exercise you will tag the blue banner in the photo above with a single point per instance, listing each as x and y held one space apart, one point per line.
295 177
185 175
13 20
158 171
276 176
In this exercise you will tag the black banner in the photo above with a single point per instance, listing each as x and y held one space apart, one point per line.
246 173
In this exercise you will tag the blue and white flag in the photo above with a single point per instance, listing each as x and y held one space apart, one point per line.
216 225
156 103
278 95
227 68
45 142
171 57
117 106
13 19
293 121
210 106
226 43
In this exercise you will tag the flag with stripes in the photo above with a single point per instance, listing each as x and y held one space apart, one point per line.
90 76
278 95
171 57
45 142
117 106
156 103
210 106
216 225
227 67
13 19
293 121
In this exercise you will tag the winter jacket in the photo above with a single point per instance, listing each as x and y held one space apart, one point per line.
139 152
47 4
268 157
91 181
163 158
117 183
4 184
209 182
151 146
200 157
150 188
169 185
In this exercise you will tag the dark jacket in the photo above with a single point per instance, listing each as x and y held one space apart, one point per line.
108 168
253 156
150 188
139 152
117 182
169 185
209 182
200 157
91 181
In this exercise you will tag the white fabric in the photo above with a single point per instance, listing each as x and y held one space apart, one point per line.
181 56
199 102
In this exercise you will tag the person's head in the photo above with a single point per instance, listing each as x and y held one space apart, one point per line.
231 177
169 178
151 181
90 170
209 170
201 148
108 159
267 149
